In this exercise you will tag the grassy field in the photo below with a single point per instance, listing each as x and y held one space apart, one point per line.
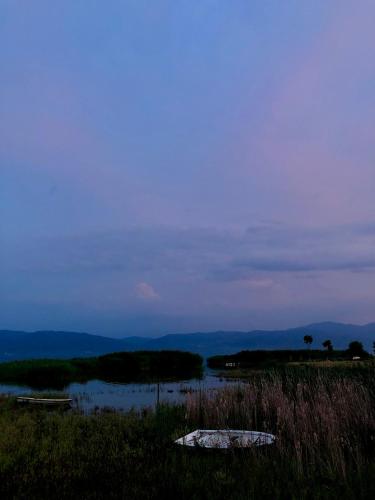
262 359
367 364
325 448
305 369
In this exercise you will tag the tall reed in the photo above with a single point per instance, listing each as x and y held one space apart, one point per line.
324 423
321 423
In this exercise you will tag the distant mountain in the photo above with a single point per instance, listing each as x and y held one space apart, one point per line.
220 342
49 344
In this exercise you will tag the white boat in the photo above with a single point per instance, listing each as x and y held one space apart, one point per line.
44 401
225 438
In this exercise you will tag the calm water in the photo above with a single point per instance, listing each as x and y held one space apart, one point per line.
98 394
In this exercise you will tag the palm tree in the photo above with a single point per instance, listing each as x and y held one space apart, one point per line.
308 340
328 345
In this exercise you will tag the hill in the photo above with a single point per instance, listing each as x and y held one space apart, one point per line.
52 344
222 342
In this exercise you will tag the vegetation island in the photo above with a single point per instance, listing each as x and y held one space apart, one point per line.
118 366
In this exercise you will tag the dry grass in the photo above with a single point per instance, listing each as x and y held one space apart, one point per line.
336 364
320 423
324 424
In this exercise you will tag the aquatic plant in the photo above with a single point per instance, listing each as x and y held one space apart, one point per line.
324 423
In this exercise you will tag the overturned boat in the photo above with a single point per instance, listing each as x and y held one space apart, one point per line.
226 438
45 401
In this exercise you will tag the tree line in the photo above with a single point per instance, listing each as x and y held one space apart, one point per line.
355 348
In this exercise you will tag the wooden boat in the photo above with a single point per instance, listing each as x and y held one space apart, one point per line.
44 401
226 438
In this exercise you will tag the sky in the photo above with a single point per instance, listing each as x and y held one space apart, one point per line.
175 166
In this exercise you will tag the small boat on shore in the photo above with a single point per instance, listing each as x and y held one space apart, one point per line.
225 439
44 401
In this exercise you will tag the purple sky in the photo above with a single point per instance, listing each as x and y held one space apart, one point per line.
173 166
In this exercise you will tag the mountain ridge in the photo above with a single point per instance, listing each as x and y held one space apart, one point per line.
18 344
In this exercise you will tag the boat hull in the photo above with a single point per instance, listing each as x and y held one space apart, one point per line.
225 439
44 401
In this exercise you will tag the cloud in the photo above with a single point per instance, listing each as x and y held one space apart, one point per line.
219 275
260 283
198 253
313 263
146 292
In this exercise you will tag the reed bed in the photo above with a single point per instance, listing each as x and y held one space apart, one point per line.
325 428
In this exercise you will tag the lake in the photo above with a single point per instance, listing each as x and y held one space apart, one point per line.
96 394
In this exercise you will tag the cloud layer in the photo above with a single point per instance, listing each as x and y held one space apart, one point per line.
186 166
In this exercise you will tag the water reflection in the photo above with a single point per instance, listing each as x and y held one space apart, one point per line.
96 394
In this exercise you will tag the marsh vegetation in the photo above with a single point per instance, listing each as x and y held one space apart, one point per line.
325 448
277 358
119 366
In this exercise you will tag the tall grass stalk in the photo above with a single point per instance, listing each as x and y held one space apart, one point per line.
325 428
323 425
